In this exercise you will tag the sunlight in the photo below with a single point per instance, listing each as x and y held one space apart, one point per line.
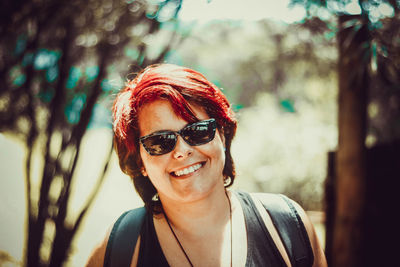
252 10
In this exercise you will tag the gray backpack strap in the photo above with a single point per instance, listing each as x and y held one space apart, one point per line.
290 228
122 240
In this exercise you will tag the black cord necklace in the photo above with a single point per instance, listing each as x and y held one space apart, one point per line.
179 243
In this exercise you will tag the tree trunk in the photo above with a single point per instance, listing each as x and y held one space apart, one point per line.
353 41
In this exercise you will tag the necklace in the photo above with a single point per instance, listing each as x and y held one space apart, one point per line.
179 243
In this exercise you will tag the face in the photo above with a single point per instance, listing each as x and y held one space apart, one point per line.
187 173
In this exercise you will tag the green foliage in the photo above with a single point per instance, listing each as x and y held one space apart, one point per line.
287 105
374 9
73 39
381 52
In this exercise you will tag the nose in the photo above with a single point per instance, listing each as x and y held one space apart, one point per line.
182 149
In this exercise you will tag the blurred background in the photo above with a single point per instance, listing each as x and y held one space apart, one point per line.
315 85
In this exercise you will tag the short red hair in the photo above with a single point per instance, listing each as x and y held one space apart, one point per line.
181 87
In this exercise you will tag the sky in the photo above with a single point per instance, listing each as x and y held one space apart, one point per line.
205 10
251 10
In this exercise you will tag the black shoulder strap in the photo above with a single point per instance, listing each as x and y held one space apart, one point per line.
290 228
123 237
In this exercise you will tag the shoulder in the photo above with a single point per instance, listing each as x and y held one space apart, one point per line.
123 237
280 206
319 255
96 258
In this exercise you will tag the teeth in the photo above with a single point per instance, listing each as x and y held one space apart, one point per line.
188 170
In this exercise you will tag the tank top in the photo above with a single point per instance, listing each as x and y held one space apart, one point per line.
261 249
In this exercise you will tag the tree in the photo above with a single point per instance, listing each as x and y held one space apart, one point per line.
55 61
368 72
351 154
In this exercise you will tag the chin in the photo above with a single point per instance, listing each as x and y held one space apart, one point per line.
197 193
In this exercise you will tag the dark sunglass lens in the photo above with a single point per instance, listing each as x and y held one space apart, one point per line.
159 144
199 133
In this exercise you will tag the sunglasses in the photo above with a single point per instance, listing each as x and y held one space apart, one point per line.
194 134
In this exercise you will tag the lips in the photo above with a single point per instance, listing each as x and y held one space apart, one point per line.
188 170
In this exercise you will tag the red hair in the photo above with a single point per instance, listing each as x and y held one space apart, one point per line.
181 87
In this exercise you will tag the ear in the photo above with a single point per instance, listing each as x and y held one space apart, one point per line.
139 164
143 171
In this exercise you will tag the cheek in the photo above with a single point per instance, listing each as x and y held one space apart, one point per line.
217 150
153 165
146 160
143 156
222 156
218 159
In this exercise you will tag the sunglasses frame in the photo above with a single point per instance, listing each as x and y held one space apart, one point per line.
210 123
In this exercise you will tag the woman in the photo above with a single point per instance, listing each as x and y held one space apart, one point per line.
173 132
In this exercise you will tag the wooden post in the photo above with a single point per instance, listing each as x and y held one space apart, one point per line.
353 42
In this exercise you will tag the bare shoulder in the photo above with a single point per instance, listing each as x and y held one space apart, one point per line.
96 258
319 255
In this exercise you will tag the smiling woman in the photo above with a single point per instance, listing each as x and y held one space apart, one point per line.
174 170
184 92
173 131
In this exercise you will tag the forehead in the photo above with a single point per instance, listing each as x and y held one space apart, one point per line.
159 115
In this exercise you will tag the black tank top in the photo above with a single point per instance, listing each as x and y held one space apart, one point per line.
261 249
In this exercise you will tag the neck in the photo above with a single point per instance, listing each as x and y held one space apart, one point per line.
210 210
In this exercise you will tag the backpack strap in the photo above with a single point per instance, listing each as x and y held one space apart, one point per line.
290 228
123 237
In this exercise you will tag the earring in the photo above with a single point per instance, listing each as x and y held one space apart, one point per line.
227 181
155 197
144 173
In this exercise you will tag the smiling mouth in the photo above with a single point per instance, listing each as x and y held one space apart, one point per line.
188 170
